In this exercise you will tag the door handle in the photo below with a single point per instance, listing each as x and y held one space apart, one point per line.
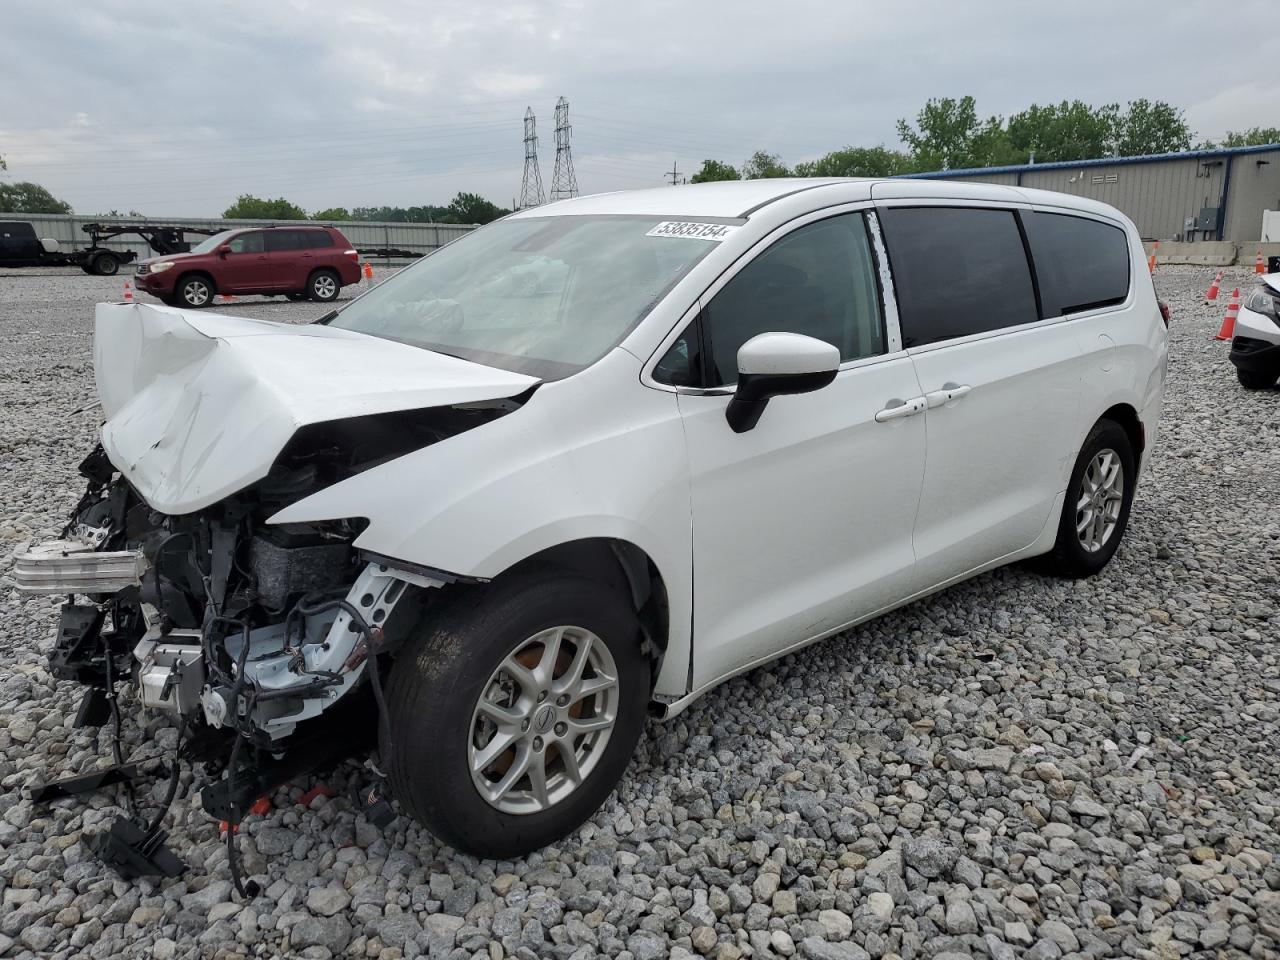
948 393
897 409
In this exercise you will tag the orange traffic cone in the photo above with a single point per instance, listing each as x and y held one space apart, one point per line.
224 298
368 270
1259 265
1229 321
1151 263
1213 287
128 292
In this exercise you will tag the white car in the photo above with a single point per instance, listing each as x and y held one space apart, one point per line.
707 426
1255 346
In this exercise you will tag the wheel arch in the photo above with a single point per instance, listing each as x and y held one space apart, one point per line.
203 274
620 565
1127 417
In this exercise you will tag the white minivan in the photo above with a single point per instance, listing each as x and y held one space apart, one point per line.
589 461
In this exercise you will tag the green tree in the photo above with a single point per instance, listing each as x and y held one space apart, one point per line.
3 165
1064 131
764 166
1253 137
333 213
472 208
384 214
249 207
857 162
713 171
1145 127
949 136
26 197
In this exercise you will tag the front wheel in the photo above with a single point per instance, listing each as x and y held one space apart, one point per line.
1096 510
516 712
1255 379
195 291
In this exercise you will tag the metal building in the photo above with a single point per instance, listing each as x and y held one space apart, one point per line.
1196 195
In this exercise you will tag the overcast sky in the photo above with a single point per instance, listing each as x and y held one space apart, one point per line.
173 108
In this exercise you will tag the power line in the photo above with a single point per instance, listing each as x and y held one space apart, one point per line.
676 176
564 183
531 186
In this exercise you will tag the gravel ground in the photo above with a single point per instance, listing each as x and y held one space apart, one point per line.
1018 767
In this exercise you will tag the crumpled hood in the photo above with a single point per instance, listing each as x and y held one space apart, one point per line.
199 405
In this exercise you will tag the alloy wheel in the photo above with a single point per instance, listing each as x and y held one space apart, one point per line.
543 720
325 288
1100 501
195 292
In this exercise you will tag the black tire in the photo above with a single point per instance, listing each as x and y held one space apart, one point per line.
1255 379
195 291
296 297
438 679
1070 557
106 265
323 286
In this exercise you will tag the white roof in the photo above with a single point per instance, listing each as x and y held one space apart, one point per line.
737 198
727 198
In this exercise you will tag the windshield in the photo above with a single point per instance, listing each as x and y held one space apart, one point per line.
208 246
545 296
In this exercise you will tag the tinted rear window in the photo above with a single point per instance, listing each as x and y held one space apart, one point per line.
957 271
278 240
318 238
1080 263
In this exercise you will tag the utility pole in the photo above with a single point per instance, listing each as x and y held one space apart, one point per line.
531 186
675 175
563 182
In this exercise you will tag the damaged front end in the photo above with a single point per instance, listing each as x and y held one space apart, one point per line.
260 640
221 620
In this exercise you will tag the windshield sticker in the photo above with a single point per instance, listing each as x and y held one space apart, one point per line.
696 231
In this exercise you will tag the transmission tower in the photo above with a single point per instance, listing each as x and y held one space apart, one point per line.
531 187
563 182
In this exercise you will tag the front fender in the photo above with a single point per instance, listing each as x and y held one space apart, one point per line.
596 455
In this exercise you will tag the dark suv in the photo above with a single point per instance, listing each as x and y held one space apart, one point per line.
298 262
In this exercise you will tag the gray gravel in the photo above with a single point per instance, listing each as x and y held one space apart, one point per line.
1018 767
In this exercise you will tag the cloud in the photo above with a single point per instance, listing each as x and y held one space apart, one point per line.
142 104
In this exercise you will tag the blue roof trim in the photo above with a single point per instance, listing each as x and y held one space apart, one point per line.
1101 162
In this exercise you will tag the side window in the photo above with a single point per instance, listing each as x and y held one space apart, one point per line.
318 238
1080 263
246 242
681 366
279 241
957 271
819 280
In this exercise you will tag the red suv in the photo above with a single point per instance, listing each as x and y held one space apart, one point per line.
298 262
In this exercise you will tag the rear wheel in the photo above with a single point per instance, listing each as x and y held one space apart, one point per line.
514 715
1096 510
195 291
1255 379
324 286
106 265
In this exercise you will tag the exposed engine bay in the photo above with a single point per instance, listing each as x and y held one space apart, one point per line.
243 631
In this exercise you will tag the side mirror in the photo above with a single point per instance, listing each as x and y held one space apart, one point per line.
776 364
223 250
